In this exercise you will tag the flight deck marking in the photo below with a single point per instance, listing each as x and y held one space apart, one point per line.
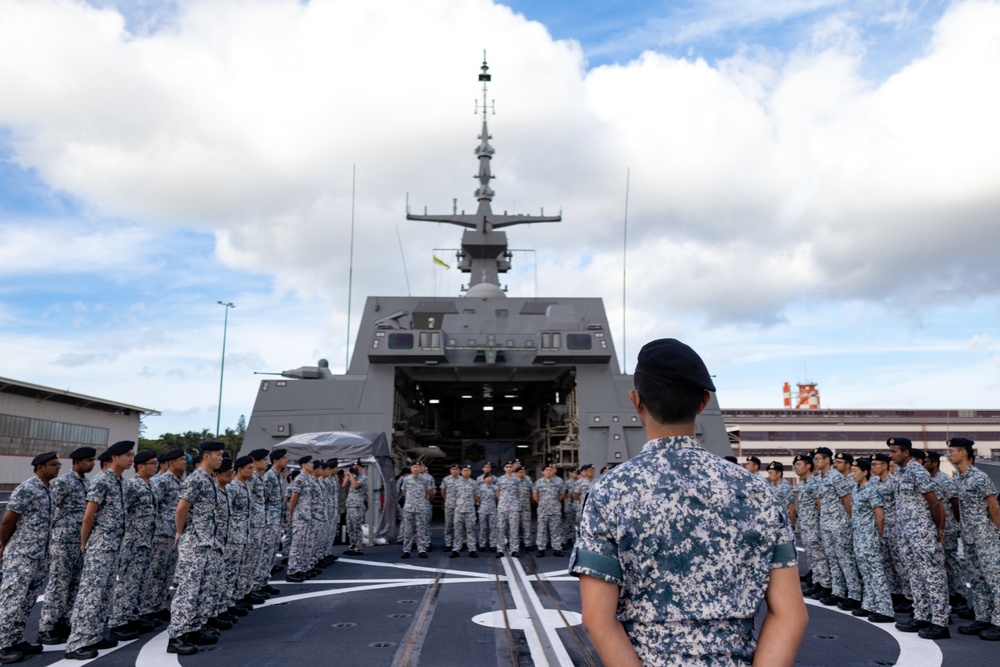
914 651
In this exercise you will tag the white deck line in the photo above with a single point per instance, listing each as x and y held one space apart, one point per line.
550 628
538 656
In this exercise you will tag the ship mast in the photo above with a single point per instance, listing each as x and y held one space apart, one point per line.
484 255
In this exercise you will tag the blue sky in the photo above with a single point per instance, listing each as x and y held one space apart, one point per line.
814 185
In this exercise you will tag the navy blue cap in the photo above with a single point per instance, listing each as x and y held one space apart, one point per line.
144 456
586 466
170 456
304 460
753 459
805 458
823 451
776 465
83 453
278 453
105 457
121 447
918 454
902 443
211 446
731 459
243 461
934 456
42 459
960 442
864 464
841 456
258 455
334 463
672 362
227 465
884 458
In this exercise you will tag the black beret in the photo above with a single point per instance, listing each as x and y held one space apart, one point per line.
42 459
144 456
172 455
672 362
884 458
258 455
227 465
805 458
105 457
902 443
470 467
454 465
934 456
586 466
863 464
776 465
325 465
83 453
244 461
960 442
731 459
212 446
121 447
304 460
196 460
334 463
753 459
278 453
841 456
918 454
823 451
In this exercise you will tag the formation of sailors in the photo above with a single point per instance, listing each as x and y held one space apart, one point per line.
882 535
110 548
493 512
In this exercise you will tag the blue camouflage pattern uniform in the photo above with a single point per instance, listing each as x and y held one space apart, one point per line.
166 488
691 540
219 587
465 492
508 513
549 513
100 562
136 551
320 519
896 574
487 515
835 529
357 503
69 501
572 509
414 526
300 558
922 554
807 493
953 566
249 574
981 539
335 510
527 487
429 486
869 550
274 495
194 552
449 509
783 492
238 542
25 558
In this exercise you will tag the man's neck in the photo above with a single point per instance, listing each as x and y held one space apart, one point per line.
963 465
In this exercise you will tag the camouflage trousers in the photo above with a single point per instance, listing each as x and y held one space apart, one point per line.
415 530
487 530
425 543
247 581
22 582
508 529
133 575
355 518
236 562
465 531
812 540
219 587
923 558
65 565
90 611
272 544
871 563
952 564
163 562
899 578
187 610
526 525
839 547
449 524
982 552
549 530
728 643
300 559
572 519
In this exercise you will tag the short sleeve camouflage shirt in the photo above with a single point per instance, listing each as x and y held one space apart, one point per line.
107 490
31 500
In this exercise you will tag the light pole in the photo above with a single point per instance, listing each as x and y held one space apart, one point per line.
222 370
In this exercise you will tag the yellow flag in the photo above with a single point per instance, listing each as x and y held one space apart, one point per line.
439 262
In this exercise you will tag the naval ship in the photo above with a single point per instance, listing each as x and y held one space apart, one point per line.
423 372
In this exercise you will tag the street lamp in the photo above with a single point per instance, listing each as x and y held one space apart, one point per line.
222 370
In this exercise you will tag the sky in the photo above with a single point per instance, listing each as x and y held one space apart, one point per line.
812 186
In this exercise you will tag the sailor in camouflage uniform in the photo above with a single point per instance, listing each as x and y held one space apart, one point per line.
835 529
487 513
217 601
524 501
414 491
24 545
948 495
980 526
678 546
137 546
357 504
428 479
335 488
466 493
572 505
238 541
250 580
508 511
274 505
300 518
868 524
920 532
449 504
896 574
583 484
781 489
196 538
548 494
806 494
69 500
166 488
100 538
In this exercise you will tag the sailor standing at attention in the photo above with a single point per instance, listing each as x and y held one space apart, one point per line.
274 505
100 540
24 548
69 500
449 504
166 486
300 512
357 504
677 547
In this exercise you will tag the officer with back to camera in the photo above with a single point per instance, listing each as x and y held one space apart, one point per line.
677 548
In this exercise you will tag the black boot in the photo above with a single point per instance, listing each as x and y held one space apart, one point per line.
935 632
180 646
913 625
973 628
